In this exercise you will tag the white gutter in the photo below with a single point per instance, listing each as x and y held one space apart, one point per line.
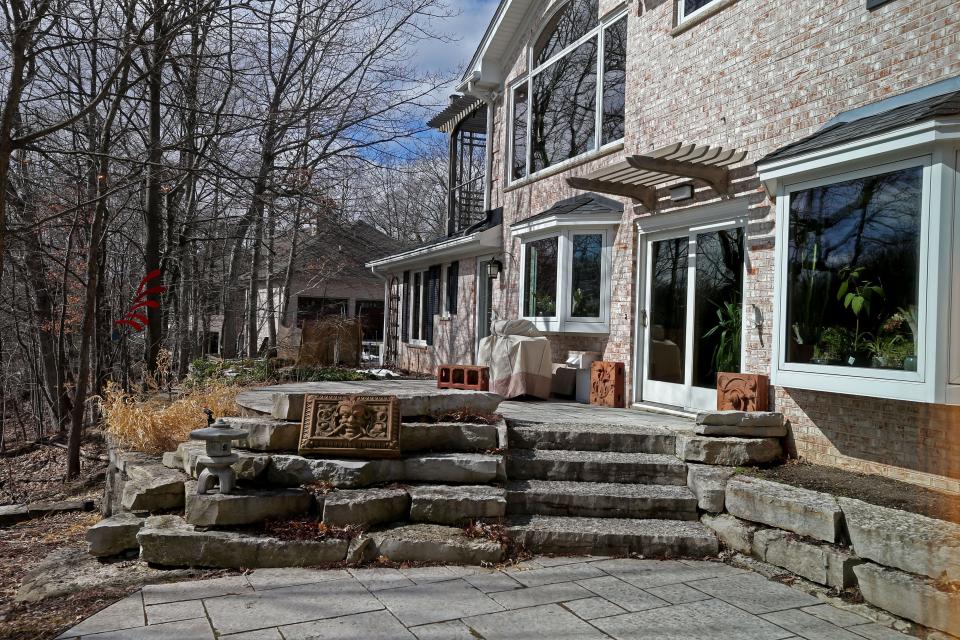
451 248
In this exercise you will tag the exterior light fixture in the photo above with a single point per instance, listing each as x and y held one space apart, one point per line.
493 268
681 192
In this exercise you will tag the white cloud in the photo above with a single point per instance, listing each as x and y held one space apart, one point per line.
466 29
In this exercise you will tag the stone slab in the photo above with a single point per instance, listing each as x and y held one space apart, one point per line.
821 563
601 500
373 625
461 468
691 621
417 397
903 540
709 484
244 506
550 534
127 613
809 513
435 543
596 466
447 436
294 470
754 593
365 507
622 593
807 626
549 621
728 450
266 434
286 406
152 487
114 535
12 514
762 424
170 541
625 438
448 601
444 504
733 533
909 596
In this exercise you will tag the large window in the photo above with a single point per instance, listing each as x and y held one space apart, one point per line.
853 272
572 102
566 281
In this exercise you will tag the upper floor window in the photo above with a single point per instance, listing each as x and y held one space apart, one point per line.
572 101
687 8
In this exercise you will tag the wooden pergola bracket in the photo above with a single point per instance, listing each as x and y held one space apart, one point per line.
716 176
646 195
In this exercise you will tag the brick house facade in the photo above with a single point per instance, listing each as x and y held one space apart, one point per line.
748 75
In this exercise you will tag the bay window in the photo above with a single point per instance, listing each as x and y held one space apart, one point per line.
565 280
572 101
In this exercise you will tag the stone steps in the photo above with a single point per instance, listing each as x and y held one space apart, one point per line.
596 466
592 437
601 500
613 536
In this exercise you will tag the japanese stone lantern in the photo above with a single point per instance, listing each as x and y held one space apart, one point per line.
219 455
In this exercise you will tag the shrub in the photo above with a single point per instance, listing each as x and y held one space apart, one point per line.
156 424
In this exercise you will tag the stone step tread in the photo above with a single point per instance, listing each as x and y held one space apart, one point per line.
577 427
592 437
652 537
613 489
603 457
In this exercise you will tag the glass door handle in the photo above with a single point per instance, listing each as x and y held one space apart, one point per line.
643 318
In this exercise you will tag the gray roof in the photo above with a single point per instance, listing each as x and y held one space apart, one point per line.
839 132
583 203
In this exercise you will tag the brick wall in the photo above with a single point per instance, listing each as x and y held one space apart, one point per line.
756 76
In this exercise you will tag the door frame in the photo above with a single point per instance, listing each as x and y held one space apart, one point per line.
479 281
714 216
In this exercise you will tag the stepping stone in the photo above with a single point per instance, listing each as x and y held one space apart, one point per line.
266 434
601 500
904 540
170 541
244 506
614 536
460 468
447 436
152 487
709 484
364 507
294 470
435 543
114 535
592 437
596 466
910 596
453 504
746 424
728 451
820 563
809 513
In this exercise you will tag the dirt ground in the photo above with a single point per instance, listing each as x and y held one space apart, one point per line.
877 490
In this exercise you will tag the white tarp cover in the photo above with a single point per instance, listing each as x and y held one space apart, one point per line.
519 359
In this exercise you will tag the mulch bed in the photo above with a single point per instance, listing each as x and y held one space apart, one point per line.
877 490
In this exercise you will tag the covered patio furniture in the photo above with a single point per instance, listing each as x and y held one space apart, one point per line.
519 359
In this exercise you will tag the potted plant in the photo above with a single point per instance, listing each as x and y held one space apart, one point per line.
834 344
856 293
909 315
888 351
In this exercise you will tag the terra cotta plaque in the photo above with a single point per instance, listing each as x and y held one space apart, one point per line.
356 426
743 392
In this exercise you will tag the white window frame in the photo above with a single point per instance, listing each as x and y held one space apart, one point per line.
682 16
419 340
598 32
563 322
927 383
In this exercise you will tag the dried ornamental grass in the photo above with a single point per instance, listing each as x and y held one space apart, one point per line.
155 425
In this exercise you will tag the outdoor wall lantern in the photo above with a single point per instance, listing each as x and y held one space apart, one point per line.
493 268
681 192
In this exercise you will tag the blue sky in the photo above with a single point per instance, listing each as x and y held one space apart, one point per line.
466 28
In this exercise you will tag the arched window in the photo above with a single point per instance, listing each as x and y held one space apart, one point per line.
572 100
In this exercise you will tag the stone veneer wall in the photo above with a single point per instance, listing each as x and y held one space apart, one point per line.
756 76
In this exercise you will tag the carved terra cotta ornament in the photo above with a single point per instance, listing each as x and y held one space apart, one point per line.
347 425
743 392
606 384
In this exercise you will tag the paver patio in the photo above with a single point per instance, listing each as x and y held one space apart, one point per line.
549 598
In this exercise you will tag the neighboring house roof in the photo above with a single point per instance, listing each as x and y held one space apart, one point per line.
843 129
587 203
341 249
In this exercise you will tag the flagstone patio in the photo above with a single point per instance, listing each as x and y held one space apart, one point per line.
549 598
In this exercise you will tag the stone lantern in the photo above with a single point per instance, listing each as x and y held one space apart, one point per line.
219 455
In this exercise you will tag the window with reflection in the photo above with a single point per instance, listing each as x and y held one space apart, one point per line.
690 7
586 274
853 272
540 278
558 112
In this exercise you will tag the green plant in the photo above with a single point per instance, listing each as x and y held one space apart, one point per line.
889 351
856 294
726 355
833 345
